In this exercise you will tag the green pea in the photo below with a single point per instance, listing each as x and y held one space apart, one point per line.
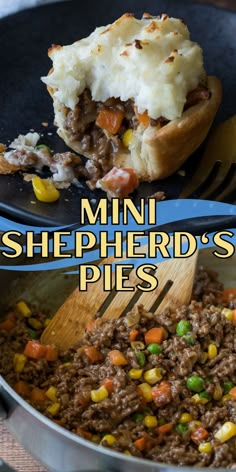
33 334
190 339
227 386
44 146
183 327
161 421
138 417
141 358
66 359
154 348
205 395
181 428
195 383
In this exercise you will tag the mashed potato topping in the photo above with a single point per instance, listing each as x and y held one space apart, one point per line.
152 60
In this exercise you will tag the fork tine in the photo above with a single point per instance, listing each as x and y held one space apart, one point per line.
218 180
228 190
202 173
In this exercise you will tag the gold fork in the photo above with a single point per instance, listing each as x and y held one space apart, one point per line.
216 173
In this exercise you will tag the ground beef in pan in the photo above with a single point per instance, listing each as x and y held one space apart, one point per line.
166 394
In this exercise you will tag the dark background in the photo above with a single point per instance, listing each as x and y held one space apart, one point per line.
25 104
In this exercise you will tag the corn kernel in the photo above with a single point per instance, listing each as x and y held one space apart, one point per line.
150 421
53 409
19 362
226 432
153 376
146 391
51 393
185 418
137 345
228 314
226 398
46 322
109 439
135 373
217 394
96 438
212 351
127 453
199 400
36 324
193 425
205 448
128 137
99 395
44 190
23 309
203 357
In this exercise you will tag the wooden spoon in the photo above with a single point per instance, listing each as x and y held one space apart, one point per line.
175 283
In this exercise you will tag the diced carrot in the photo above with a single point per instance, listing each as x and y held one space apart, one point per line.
162 394
232 392
133 335
228 294
90 326
38 395
11 316
7 325
119 182
140 443
35 350
51 353
117 358
154 335
22 388
84 434
143 118
108 383
234 318
165 428
199 434
93 354
110 120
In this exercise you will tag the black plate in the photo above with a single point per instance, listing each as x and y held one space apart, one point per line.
25 38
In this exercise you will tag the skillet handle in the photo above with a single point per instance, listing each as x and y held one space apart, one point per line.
5 468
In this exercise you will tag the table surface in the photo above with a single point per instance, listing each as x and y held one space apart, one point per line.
10 451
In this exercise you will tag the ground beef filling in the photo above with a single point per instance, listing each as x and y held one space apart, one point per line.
172 401
81 126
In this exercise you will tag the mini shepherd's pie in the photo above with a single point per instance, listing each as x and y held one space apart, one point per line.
134 95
